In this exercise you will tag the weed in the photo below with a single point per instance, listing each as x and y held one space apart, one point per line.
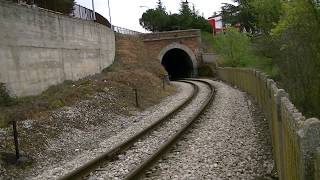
5 99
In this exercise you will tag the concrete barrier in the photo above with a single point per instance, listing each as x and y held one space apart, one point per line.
40 48
295 139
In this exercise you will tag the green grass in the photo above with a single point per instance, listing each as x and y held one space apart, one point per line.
234 49
207 41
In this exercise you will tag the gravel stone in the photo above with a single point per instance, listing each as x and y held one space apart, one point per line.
230 141
129 126
149 144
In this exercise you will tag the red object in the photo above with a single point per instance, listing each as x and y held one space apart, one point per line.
212 22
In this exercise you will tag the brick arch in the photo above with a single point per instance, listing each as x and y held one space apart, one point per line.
185 49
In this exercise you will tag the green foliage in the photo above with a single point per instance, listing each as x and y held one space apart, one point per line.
158 19
63 6
234 48
285 44
207 42
266 14
240 13
155 20
5 99
206 71
297 34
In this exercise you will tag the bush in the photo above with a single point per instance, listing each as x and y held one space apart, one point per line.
5 99
206 71
234 48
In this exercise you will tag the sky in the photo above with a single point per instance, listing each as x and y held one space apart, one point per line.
126 13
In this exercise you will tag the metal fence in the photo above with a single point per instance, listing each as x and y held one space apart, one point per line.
125 31
78 10
85 14
82 12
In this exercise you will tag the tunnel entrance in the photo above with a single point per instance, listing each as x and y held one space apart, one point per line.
177 63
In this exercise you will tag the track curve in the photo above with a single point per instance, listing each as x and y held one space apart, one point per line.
94 167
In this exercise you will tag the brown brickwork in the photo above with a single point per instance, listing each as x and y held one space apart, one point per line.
156 42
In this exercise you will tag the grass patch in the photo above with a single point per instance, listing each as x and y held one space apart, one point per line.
235 49
207 42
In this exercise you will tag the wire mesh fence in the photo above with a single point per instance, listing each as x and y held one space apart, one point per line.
125 31
82 12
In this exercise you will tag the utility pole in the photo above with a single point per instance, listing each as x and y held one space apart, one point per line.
94 12
110 14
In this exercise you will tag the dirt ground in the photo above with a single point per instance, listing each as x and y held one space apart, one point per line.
74 108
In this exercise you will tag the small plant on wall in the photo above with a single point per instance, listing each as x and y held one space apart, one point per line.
5 99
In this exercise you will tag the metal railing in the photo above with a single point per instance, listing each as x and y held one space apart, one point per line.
125 31
77 12
82 12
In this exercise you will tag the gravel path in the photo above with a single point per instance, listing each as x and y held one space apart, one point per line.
149 144
230 141
133 125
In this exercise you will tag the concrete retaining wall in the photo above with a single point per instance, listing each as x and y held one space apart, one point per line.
295 139
39 48
209 58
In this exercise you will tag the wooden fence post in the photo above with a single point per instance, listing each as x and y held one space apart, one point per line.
310 145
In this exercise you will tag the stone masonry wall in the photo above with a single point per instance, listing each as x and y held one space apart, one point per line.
157 41
39 48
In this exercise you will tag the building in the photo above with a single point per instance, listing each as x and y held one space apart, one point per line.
218 24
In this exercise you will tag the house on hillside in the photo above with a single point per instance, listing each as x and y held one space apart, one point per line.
218 25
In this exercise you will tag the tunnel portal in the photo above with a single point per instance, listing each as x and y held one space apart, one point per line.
178 64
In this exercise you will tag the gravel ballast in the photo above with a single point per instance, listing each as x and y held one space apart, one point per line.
230 141
133 124
146 146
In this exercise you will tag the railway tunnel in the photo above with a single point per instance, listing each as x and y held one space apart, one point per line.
178 64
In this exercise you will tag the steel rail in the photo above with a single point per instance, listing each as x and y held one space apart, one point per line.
136 172
90 166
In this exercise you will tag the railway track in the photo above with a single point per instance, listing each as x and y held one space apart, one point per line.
130 158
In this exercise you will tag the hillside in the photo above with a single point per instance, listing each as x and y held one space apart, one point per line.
56 124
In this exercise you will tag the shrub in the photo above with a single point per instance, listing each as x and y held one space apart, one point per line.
234 48
5 99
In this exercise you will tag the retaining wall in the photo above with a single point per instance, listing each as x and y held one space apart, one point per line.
295 139
39 48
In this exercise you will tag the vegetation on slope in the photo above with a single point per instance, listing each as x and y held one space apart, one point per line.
284 42
132 69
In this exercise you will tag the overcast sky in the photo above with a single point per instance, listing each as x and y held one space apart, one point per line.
126 13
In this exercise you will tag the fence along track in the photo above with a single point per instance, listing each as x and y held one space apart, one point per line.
85 169
295 139
135 173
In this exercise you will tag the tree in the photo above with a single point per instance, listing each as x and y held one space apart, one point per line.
288 32
160 6
233 47
159 20
155 19
63 6
185 9
241 13
266 14
297 34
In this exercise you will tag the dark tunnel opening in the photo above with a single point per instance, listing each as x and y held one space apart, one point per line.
178 64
